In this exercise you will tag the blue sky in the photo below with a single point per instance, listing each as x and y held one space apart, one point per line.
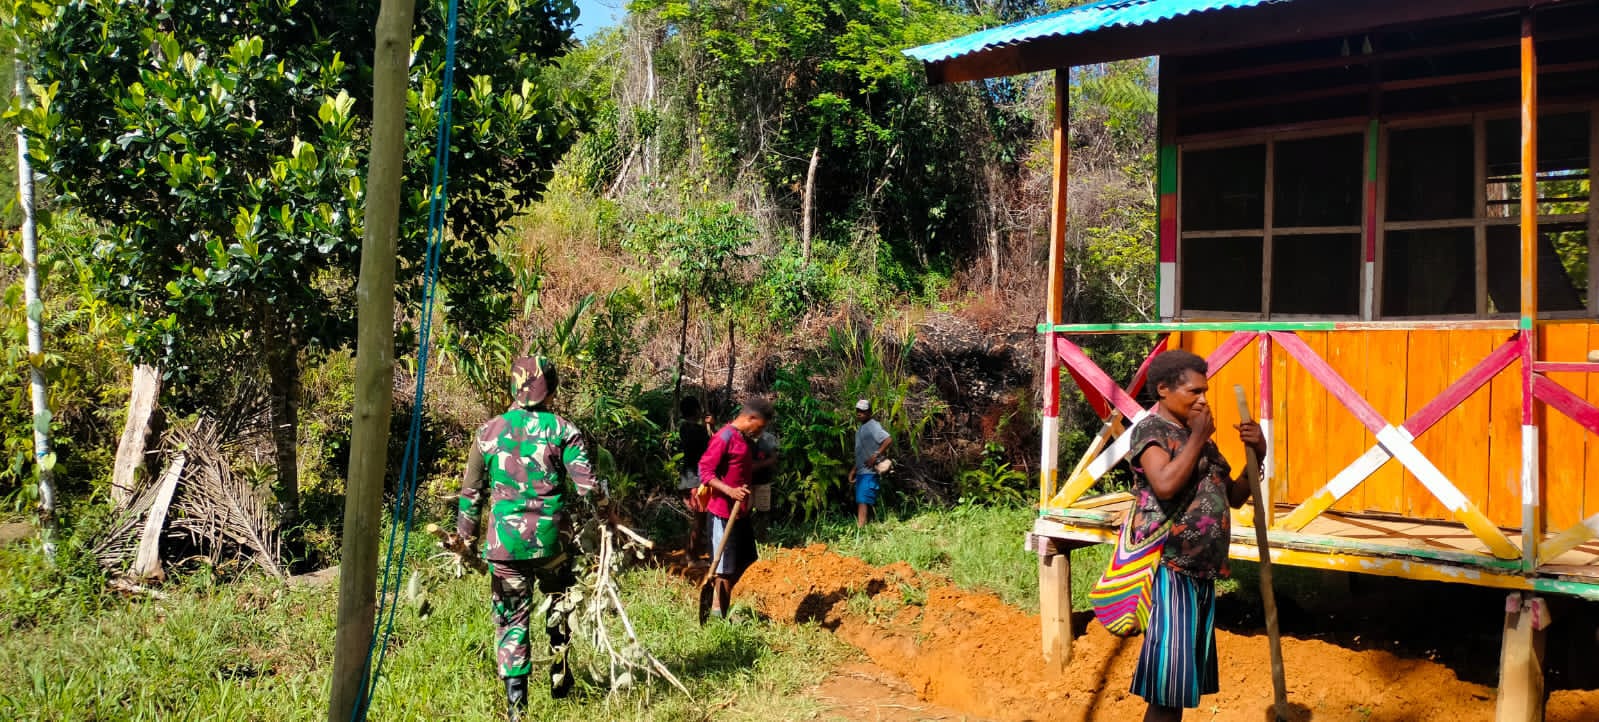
595 15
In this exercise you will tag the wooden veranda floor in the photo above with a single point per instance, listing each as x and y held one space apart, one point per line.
1430 551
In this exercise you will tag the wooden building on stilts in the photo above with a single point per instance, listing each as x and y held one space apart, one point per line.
1346 228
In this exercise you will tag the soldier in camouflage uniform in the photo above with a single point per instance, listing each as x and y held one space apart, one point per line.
518 467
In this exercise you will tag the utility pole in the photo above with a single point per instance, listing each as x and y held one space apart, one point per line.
43 459
374 364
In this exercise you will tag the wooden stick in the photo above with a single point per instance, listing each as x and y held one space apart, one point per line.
1267 596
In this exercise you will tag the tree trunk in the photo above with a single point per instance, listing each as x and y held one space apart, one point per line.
731 357
652 144
142 425
993 261
805 205
283 371
682 349
44 460
374 364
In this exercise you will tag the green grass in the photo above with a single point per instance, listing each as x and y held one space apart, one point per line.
976 547
255 649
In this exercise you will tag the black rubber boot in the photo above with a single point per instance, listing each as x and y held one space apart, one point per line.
515 697
560 679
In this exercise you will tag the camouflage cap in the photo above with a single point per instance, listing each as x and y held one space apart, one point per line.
533 379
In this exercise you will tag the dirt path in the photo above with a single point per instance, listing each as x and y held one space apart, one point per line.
977 656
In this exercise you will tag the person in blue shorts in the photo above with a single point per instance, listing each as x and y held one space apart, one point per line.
871 440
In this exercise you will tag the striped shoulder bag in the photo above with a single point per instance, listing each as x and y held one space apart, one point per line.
1122 596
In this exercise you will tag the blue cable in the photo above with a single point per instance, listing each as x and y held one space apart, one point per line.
394 569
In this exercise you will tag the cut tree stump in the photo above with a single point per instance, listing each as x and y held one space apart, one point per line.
147 565
136 435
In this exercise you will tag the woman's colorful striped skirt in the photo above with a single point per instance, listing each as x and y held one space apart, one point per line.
1178 663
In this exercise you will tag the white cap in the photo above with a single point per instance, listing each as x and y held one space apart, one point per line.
863 405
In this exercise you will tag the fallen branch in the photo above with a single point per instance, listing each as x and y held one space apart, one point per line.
596 596
456 547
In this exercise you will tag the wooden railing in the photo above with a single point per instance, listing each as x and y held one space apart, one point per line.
1119 411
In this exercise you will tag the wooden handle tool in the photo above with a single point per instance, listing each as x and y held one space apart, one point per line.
1267 597
707 585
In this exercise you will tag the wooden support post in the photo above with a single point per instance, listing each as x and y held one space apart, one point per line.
1268 465
1055 602
1531 487
374 365
1166 180
1055 304
1521 684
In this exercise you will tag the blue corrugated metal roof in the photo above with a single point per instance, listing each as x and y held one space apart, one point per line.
1075 21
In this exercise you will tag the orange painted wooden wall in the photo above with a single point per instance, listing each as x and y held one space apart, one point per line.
1477 445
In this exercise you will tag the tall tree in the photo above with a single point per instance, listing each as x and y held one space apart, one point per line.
221 143
44 458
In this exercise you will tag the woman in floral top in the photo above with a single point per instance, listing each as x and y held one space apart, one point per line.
1180 475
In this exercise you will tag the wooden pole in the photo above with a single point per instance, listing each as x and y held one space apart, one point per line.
1055 302
374 363
1054 573
1279 683
1531 518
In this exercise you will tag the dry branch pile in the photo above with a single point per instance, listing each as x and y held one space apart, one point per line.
196 505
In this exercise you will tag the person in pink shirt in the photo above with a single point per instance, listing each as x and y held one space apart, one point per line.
728 467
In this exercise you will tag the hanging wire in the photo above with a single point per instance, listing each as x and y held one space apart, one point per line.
405 501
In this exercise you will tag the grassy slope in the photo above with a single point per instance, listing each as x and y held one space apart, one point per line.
255 650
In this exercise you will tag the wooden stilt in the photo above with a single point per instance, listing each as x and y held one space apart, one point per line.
1055 603
1521 688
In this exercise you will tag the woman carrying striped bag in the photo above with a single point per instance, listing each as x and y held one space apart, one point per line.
1180 476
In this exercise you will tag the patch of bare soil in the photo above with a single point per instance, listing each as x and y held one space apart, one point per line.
13 532
974 654
865 691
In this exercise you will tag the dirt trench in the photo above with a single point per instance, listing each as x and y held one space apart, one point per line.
972 653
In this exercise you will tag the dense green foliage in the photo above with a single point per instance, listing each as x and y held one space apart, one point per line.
83 367
222 145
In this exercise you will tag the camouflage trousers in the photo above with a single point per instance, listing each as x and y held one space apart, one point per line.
511 589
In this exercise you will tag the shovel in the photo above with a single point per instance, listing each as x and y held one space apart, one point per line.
1267 596
707 588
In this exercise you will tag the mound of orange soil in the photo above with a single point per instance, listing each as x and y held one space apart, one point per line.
971 652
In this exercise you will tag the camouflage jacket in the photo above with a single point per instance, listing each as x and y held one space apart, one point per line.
520 458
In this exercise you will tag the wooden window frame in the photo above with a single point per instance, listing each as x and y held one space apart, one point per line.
1267 232
1480 222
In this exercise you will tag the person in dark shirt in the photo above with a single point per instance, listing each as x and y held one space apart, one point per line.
693 437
